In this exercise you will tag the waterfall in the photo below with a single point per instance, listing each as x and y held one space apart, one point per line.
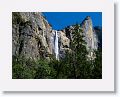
56 46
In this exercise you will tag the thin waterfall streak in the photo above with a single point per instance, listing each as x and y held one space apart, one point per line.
56 46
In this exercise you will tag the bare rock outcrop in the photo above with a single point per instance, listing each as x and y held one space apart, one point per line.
30 35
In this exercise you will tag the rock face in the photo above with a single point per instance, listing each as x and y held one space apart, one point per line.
64 43
34 38
30 35
90 35
98 32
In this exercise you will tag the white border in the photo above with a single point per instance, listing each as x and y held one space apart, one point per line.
104 84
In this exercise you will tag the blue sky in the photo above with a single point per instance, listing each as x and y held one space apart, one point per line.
60 20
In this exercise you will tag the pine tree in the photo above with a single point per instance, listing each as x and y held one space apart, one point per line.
79 52
97 70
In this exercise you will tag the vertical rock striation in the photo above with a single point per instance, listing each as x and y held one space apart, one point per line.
90 35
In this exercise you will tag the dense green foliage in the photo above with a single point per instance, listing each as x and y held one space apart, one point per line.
76 64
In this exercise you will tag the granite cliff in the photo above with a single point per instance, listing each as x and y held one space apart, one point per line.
34 38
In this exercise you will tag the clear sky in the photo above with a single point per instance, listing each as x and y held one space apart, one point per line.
60 20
